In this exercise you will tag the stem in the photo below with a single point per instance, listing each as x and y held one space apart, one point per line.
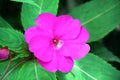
7 66
15 66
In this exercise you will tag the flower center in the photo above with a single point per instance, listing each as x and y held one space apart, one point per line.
57 43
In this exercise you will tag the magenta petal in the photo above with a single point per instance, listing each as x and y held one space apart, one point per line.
45 22
44 54
39 42
44 18
35 31
66 28
82 38
31 32
76 51
65 64
50 66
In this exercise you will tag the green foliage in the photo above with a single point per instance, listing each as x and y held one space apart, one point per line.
30 70
14 40
99 17
90 67
101 51
26 1
4 24
5 66
29 12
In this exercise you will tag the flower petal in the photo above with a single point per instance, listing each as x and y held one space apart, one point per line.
65 64
44 54
45 22
76 51
44 18
82 37
39 42
66 27
50 66
31 32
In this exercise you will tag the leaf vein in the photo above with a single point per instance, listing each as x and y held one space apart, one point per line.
84 23
35 70
85 72
41 7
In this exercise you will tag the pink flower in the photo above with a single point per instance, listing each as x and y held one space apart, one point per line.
4 52
57 41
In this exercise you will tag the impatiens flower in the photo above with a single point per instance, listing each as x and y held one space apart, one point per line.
4 52
57 41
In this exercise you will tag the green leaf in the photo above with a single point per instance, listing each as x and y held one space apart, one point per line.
26 1
91 67
4 24
99 17
30 70
6 65
101 51
66 76
29 12
3 66
14 40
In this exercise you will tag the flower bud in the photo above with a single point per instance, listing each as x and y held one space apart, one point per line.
4 52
